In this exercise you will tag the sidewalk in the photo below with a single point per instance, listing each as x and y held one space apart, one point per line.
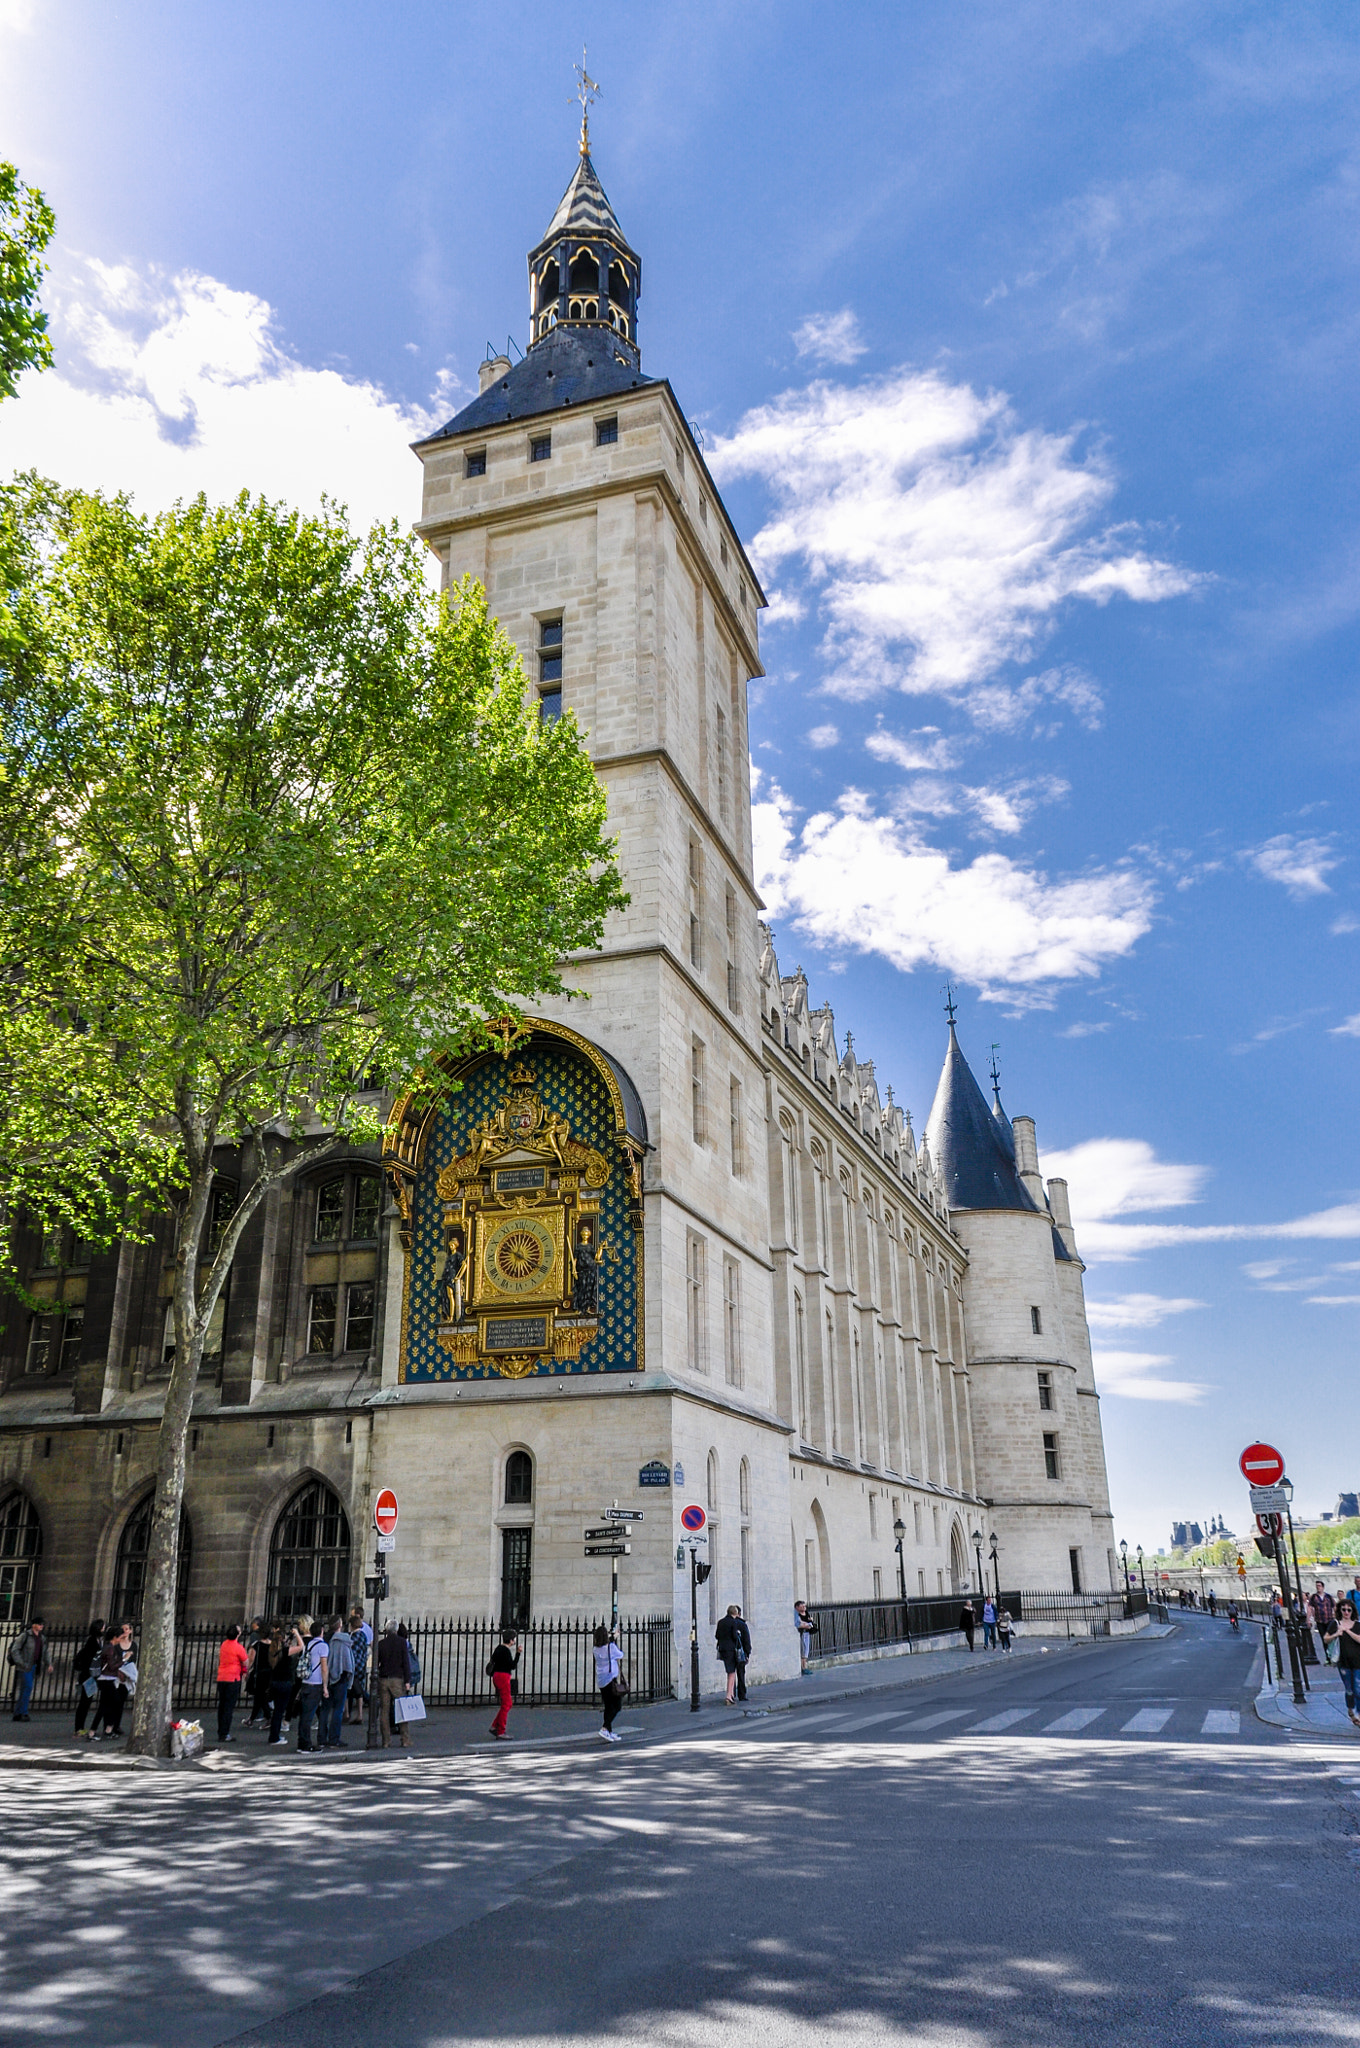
1323 1711
48 1744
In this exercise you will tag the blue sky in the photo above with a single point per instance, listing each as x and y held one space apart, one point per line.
1024 346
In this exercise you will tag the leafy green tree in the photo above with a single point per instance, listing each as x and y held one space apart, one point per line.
27 223
270 820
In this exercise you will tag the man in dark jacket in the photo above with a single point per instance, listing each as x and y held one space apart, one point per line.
734 1648
30 1657
394 1679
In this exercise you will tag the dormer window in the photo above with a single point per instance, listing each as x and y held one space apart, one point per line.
475 465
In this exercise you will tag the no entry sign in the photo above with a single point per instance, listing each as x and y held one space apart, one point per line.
385 1512
693 1519
1261 1465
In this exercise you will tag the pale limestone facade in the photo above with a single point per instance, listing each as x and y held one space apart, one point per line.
828 1350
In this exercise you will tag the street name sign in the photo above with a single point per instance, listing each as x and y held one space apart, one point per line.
693 1519
1268 1500
606 1535
609 1549
624 1514
385 1512
1261 1465
654 1473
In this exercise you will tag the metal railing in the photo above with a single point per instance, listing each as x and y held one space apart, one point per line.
846 1625
556 1667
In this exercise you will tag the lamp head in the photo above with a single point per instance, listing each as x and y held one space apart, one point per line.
899 1528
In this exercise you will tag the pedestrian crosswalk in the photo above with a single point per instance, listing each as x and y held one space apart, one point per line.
1184 1720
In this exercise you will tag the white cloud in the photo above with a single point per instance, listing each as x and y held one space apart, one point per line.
1132 1376
1340 926
851 878
1334 1300
823 736
1300 865
1350 1028
945 538
1138 1311
1087 1030
166 386
17 16
830 337
927 747
1121 1176
999 707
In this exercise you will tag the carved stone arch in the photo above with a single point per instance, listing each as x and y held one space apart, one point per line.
122 1550
312 1553
823 1536
958 1557
260 1519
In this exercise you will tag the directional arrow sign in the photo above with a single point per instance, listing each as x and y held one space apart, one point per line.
605 1535
609 1549
623 1514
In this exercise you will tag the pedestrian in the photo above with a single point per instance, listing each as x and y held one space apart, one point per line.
257 1685
412 1654
315 1688
968 1621
340 1657
87 1680
989 1623
733 1638
501 1672
1324 1614
1213 1603
30 1658
610 1679
299 1635
394 1681
361 1643
233 1662
1003 1629
279 1666
113 1682
1346 1636
807 1626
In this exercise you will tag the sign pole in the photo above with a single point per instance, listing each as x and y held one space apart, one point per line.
1306 1654
693 1629
614 1590
374 1740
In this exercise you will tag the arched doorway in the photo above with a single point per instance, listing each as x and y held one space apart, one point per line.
309 1554
20 1550
129 1574
958 1559
823 1552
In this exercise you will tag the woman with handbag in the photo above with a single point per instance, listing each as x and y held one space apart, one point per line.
610 1679
734 1647
87 1684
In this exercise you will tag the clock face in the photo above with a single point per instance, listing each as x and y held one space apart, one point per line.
520 1258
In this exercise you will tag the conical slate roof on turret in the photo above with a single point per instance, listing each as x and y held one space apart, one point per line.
584 210
968 1145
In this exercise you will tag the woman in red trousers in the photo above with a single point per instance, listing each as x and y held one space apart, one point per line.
504 1658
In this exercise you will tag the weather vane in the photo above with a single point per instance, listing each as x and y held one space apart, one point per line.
996 1072
950 1006
587 91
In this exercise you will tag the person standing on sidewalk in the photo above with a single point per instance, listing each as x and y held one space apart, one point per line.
1003 1629
233 1662
87 1677
30 1658
501 1672
1346 1636
361 1643
989 1623
609 1678
113 1690
807 1626
394 1681
734 1647
968 1622
278 1663
340 1657
255 1639
315 1689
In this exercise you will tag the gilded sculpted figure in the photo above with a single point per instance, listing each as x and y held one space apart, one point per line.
455 1273
585 1294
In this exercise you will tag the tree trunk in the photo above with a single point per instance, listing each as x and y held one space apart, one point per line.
152 1702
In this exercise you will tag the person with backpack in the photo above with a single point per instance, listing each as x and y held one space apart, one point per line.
501 1672
733 1638
87 1684
29 1658
610 1679
340 1657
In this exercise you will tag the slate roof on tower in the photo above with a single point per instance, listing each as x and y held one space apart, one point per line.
968 1145
570 366
584 209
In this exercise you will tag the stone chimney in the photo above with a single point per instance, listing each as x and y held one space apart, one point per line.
1062 1213
491 371
1027 1156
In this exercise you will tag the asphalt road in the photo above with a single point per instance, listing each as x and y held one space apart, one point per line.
958 1885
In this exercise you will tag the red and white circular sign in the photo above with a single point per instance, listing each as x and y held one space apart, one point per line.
1261 1465
385 1512
693 1519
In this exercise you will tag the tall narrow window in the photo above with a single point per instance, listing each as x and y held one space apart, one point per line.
38 1356
519 1479
359 1316
696 1091
20 1550
712 1505
1074 1561
1046 1390
857 1392
734 1125
130 1570
321 1321
367 1205
1036 1322
696 1263
1051 1453
550 669
800 1367
732 1321
724 771
696 904
788 1159
516 1577
330 1210
744 1503
730 923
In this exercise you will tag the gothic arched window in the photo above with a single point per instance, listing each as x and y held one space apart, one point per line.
309 1555
20 1550
129 1577
519 1479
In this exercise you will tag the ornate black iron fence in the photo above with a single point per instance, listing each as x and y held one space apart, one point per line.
556 1667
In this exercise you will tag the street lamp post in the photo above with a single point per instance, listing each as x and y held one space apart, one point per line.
977 1546
1124 1554
996 1571
899 1531
1142 1576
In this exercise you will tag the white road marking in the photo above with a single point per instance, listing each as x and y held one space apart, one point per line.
869 1720
934 1720
1222 1721
1068 1724
1000 1721
1148 1721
